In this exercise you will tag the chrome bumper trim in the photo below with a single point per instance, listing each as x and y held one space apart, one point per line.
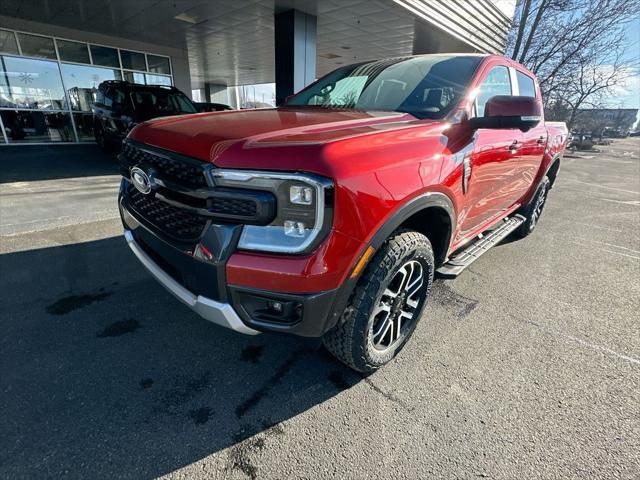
219 313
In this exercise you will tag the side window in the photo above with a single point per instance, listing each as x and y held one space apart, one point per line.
108 97
497 82
118 97
99 97
526 86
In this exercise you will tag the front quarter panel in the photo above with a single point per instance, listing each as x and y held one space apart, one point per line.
374 177
376 174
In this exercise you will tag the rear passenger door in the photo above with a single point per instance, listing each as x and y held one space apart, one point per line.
534 141
494 162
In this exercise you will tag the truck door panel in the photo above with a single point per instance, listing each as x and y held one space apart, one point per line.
494 180
534 141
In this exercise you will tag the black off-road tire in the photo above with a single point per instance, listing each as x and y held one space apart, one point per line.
533 209
351 340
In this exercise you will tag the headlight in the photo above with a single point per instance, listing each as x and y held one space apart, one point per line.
304 209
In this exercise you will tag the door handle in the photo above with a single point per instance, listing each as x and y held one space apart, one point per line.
513 148
466 173
540 140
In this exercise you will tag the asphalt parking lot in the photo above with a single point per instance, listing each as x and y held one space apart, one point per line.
526 366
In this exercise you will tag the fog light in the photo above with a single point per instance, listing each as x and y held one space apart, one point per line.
294 229
273 310
301 195
275 306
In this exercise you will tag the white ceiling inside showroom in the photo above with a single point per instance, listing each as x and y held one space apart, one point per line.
232 41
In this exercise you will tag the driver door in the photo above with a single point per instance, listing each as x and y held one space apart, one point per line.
492 170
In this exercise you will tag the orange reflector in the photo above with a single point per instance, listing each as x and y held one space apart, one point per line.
362 262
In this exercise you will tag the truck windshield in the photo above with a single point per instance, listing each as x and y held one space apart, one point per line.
428 86
161 101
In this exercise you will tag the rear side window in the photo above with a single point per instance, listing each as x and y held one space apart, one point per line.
497 82
526 86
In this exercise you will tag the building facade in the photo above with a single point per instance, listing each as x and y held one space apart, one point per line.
246 53
48 84
598 121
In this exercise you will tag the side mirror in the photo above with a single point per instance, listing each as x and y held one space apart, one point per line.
507 111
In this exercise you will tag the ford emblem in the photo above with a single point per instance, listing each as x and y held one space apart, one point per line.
140 180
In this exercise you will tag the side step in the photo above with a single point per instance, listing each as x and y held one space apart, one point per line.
461 260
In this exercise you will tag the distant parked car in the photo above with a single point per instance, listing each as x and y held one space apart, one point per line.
121 105
211 107
580 141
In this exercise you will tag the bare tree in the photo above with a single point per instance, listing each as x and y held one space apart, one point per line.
591 83
575 49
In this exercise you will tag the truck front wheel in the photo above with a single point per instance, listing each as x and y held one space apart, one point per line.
386 304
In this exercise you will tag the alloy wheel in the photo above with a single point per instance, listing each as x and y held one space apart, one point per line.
398 305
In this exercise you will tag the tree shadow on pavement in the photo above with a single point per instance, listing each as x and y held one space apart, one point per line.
102 370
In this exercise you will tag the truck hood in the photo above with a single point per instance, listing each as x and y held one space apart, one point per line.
213 136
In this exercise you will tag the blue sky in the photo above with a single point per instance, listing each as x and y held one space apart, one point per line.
629 94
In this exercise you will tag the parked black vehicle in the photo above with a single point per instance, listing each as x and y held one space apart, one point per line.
211 107
120 106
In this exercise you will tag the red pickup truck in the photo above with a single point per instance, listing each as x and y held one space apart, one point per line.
329 216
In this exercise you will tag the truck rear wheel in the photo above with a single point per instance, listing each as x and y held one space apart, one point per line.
386 304
533 209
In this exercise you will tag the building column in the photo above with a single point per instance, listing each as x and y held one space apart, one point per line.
295 44
210 91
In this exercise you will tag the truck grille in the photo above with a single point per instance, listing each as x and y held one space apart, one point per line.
232 206
176 223
186 173
183 204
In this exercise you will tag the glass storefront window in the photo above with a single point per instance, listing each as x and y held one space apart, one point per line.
134 77
26 127
158 64
8 42
84 126
39 95
28 83
73 51
133 60
158 79
260 95
105 56
82 81
37 46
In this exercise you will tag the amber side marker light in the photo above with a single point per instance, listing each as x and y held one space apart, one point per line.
363 261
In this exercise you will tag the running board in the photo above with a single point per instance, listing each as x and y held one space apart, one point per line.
461 260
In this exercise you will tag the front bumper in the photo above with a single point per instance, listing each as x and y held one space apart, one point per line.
202 285
219 313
